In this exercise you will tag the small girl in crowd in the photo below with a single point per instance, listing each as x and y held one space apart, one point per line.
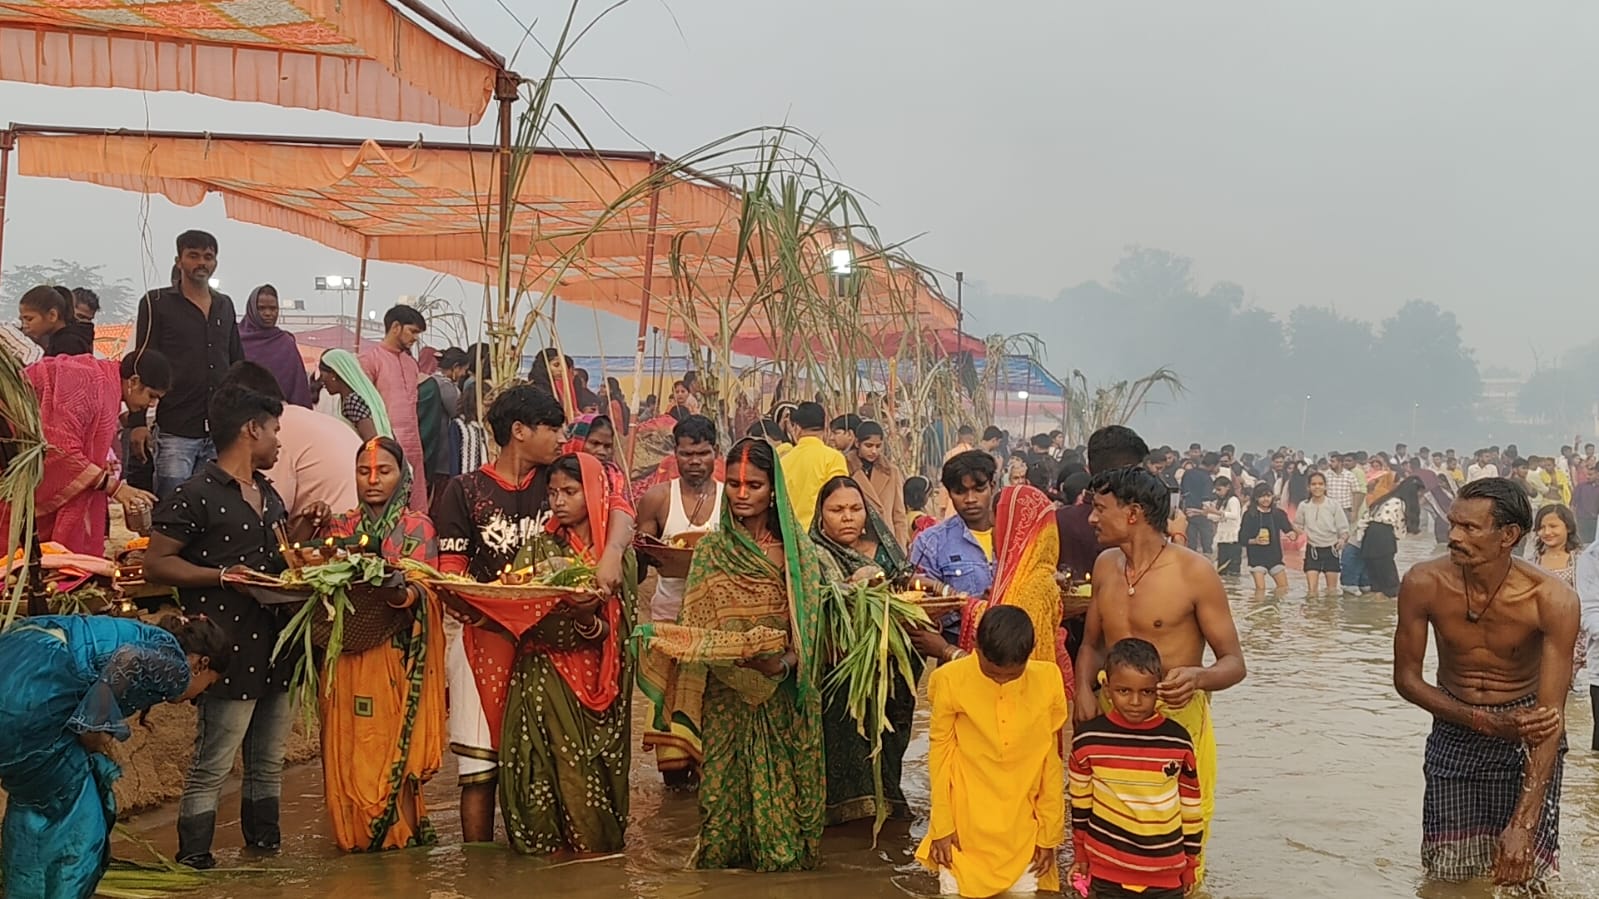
1263 527
1228 515
916 491
997 815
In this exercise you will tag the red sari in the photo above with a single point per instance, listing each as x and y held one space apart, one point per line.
80 399
586 670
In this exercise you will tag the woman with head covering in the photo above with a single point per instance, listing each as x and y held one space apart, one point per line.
67 688
273 348
879 479
851 531
359 401
383 713
564 775
1026 548
740 669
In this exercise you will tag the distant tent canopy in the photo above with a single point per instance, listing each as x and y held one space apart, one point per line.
1023 373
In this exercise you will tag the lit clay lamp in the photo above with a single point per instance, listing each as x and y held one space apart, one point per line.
516 578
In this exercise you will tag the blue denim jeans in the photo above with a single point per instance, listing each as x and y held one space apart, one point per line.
177 459
260 727
1353 568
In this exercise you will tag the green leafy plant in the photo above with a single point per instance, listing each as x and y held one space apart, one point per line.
864 633
329 583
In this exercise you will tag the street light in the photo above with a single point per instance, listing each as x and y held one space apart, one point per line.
1026 398
341 283
1414 409
1304 421
214 283
841 262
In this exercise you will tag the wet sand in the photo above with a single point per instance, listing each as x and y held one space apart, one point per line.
1320 796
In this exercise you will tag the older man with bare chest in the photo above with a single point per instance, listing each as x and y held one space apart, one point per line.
1148 587
1504 631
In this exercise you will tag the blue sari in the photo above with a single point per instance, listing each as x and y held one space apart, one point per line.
64 676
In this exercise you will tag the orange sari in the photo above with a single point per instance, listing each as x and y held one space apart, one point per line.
383 729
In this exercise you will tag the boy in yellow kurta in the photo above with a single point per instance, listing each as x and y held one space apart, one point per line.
998 806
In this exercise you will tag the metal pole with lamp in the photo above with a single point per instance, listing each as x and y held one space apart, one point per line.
960 310
841 260
1304 421
1026 396
360 304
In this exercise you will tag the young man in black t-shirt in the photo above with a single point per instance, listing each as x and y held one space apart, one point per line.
483 519
219 521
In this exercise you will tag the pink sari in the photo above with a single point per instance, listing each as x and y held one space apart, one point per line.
80 398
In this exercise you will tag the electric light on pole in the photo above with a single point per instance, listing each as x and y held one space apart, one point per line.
341 283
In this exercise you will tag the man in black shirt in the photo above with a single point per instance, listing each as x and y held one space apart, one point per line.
220 521
196 328
1199 489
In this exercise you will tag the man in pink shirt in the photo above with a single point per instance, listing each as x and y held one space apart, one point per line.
394 372
316 452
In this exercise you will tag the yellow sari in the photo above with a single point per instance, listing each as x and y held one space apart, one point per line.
1026 549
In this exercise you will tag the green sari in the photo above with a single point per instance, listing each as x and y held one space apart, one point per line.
762 789
567 732
851 791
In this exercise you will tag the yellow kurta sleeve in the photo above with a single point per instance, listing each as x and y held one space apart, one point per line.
1050 801
941 757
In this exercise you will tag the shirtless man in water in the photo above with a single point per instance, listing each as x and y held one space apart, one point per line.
1504 630
1148 587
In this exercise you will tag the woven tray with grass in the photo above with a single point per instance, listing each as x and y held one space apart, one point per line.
520 596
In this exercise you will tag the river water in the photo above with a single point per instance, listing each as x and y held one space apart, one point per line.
1320 796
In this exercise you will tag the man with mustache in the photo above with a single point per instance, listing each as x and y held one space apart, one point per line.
1504 630
197 329
1149 587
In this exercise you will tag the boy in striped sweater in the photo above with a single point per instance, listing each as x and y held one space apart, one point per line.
1136 824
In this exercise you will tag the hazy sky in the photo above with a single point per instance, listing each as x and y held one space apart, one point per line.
1359 154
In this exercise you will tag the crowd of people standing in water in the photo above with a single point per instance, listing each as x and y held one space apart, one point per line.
1095 730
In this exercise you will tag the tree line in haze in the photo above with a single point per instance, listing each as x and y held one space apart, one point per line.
1248 371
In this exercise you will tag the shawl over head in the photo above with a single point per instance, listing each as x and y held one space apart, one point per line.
275 350
715 629
890 557
344 364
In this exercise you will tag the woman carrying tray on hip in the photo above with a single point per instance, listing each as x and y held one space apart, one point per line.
383 729
850 529
738 668
565 740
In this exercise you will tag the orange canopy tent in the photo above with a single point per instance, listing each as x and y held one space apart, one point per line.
431 204
356 57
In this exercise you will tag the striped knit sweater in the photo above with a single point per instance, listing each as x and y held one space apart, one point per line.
1135 801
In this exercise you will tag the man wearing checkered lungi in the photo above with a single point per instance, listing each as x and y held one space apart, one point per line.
1504 630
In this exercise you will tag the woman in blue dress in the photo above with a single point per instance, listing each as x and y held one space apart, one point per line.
68 684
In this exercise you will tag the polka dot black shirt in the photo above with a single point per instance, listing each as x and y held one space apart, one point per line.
218 529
